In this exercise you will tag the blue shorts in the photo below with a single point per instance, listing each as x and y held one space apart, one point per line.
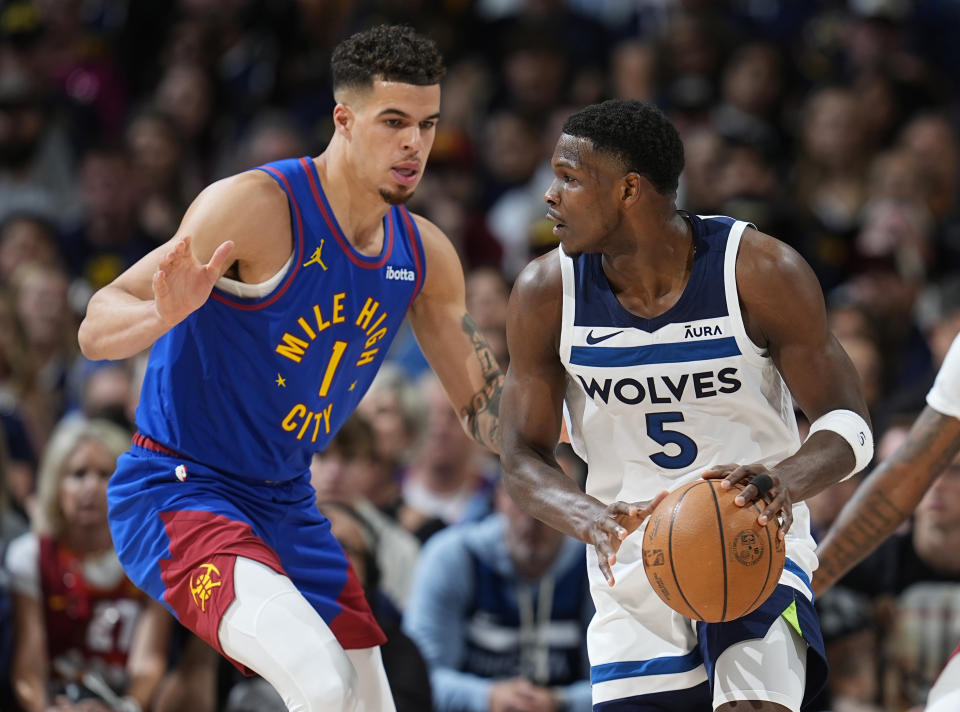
178 527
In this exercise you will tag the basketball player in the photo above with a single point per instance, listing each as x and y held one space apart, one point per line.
268 314
892 491
671 344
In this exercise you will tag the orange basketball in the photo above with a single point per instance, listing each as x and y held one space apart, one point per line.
707 558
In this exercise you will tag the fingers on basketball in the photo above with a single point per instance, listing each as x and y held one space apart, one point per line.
708 558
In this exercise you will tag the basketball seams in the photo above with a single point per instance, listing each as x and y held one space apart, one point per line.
681 535
766 580
723 548
673 568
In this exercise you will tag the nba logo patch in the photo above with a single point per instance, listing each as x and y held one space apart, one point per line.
181 472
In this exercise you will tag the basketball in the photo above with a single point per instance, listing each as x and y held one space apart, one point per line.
707 558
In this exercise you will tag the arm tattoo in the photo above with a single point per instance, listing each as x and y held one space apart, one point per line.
483 413
922 456
877 519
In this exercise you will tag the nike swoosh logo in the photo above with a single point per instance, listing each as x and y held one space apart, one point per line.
591 339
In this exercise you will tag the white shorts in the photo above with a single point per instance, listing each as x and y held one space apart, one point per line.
644 653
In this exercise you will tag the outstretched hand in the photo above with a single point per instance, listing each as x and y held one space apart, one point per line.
761 484
181 284
614 524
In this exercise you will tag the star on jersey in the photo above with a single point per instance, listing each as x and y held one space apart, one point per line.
315 258
281 381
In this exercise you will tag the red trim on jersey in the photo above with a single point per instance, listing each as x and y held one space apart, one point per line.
296 263
141 440
345 245
415 249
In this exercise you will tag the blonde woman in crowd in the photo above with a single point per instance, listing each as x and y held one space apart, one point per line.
85 637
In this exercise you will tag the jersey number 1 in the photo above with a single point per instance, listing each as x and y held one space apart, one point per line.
338 348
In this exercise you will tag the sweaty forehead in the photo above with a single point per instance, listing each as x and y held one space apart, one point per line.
574 151
579 153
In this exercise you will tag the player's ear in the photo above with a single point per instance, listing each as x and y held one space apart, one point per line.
343 119
632 185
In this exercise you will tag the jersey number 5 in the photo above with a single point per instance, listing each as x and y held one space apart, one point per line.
663 436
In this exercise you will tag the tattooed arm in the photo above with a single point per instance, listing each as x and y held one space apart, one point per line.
452 342
888 496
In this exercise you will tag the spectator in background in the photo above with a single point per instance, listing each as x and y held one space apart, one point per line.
27 237
487 296
868 360
405 666
931 138
156 155
186 93
511 217
829 180
449 479
689 55
698 191
107 239
925 623
108 392
16 395
751 88
82 629
349 472
36 160
499 609
271 137
633 70
396 412
12 525
851 638
41 305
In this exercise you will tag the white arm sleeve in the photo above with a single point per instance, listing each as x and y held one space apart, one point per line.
944 397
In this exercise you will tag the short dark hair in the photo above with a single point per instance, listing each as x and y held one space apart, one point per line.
391 53
638 134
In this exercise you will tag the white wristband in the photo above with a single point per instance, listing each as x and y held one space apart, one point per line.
854 429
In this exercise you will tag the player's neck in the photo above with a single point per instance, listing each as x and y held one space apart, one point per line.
358 209
650 264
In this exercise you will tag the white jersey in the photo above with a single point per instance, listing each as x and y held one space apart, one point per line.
652 403
944 397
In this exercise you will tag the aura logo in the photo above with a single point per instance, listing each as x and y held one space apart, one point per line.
400 273
695 332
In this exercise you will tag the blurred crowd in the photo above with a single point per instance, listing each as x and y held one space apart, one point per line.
833 125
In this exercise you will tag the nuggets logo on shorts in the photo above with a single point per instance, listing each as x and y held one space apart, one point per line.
202 585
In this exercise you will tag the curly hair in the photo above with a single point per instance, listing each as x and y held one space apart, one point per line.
639 135
392 53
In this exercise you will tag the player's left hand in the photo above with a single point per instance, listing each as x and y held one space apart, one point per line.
761 484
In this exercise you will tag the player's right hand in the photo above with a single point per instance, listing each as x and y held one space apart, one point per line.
181 284
614 524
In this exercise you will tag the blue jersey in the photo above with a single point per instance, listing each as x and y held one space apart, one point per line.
254 387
